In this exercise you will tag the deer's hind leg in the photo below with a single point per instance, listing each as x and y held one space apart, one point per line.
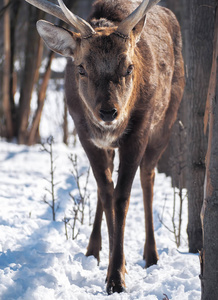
150 251
147 175
94 245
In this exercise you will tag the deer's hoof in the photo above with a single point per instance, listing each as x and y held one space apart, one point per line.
150 257
94 249
113 287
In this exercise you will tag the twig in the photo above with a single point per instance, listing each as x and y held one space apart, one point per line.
66 221
82 199
51 191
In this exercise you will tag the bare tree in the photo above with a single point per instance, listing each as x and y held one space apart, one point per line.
30 74
33 135
25 46
16 119
201 49
6 73
197 23
16 116
209 213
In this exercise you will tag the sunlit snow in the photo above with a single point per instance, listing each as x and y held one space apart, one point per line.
36 260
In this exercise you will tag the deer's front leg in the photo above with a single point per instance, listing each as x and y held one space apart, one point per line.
102 166
129 162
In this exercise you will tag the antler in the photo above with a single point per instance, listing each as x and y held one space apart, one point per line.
130 22
84 27
63 13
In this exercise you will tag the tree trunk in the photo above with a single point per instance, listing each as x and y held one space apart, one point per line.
209 213
34 132
197 20
200 59
33 52
13 76
6 74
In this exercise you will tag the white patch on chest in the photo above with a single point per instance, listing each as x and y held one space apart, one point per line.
105 142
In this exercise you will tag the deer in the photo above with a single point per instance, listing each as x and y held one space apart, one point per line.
124 82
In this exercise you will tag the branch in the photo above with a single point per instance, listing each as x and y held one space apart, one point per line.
170 230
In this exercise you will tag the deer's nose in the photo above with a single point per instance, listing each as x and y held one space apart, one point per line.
108 115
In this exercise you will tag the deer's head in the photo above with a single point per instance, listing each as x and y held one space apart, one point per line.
104 58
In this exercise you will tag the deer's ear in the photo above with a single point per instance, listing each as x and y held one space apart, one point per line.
57 38
137 30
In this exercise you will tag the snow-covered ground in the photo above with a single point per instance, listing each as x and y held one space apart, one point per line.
36 260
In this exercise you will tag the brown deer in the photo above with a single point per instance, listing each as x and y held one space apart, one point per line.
124 83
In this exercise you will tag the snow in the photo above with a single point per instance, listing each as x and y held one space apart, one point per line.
36 260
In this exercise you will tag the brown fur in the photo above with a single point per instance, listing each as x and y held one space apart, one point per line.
146 102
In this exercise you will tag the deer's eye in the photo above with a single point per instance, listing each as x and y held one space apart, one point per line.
81 70
129 70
